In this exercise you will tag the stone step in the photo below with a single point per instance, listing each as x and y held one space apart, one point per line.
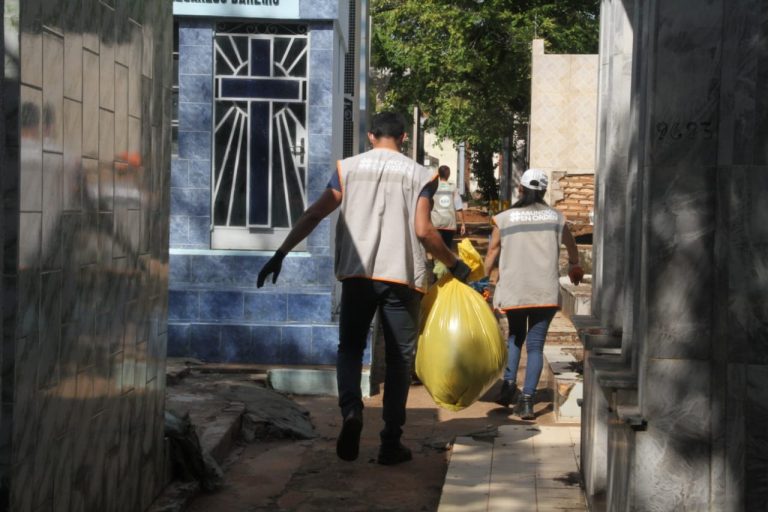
566 363
316 381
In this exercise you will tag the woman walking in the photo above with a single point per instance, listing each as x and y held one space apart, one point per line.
526 240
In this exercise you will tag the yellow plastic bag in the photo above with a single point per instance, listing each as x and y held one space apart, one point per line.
471 257
461 352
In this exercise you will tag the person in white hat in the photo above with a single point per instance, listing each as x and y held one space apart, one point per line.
526 240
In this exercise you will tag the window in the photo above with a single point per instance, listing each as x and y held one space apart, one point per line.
259 185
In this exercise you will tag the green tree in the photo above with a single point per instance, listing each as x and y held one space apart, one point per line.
466 63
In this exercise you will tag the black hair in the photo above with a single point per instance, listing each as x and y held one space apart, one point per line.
444 171
529 197
388 124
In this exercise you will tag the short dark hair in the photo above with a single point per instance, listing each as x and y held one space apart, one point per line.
388 124
444 171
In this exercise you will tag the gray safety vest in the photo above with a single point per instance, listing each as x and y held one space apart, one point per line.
443 210
528 262
375 234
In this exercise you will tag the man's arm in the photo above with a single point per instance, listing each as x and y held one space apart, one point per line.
494 247
307 222
428 235
570 245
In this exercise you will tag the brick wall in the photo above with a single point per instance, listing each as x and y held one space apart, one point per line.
574 195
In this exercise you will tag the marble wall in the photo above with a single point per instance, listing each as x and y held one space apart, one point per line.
216 313
563 107
85 183
680 390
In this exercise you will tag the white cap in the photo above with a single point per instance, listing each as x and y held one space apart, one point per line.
534 179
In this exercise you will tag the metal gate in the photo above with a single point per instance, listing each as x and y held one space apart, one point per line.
259 126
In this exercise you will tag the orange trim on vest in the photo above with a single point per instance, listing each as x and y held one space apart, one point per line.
382 280
338 173
530 306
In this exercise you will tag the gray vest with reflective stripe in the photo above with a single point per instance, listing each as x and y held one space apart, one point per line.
528 263
375 235
443 211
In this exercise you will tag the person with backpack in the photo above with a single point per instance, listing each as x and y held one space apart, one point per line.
526 240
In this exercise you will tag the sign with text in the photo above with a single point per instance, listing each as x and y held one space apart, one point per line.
273 9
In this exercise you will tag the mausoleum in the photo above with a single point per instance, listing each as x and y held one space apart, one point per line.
268 97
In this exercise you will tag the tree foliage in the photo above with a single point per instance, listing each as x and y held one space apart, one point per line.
466 63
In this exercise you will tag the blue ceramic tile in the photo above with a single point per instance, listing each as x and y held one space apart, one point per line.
236 344
195 117
325 269
179 230
190 201
321 64
178 271
266 307
205 342
309 308
220 306
195 32
318 9
265 342
321 37
179 173
195 145
321 149
298 271
200 231
296 345
319 175
200 174
195 60
321 236
321 93
239 271
195 89
325 344
183 305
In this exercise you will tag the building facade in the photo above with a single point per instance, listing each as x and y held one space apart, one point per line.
269 97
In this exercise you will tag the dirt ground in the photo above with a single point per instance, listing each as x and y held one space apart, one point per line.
306 476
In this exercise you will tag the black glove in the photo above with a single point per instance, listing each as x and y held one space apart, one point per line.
273 266
460 270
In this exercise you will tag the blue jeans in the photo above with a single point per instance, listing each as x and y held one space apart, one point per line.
529 326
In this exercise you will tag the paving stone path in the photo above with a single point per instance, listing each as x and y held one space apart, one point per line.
526 468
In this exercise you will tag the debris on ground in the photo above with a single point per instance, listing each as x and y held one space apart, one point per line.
190 462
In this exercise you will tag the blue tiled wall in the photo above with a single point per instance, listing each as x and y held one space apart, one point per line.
216 313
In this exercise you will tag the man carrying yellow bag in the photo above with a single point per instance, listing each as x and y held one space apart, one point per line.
385 200
461 351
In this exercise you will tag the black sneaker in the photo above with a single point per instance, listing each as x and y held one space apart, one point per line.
508 393
393 453
525 408
348 443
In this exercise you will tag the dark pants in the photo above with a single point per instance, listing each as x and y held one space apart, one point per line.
399 309
529 326
447 236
